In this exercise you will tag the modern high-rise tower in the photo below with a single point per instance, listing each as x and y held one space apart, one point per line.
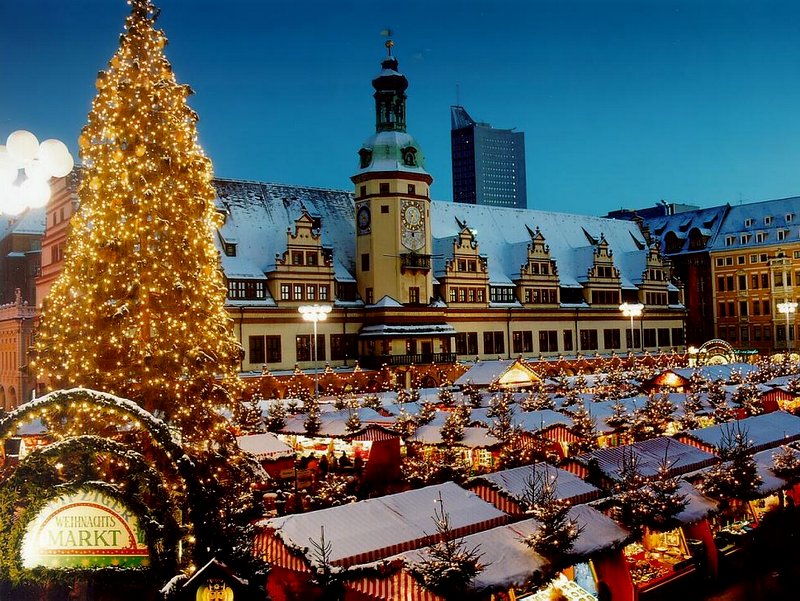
488 163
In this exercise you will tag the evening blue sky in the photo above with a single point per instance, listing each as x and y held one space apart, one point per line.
622 103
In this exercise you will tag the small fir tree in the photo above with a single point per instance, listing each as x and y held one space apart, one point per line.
312 422
353 423
276 416
324 574
690 408
557 532
786 464
584 427
537 398
746 396
405 424
248 416
736 477
653 418
448 566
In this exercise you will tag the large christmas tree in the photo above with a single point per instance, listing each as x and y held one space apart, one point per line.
138 310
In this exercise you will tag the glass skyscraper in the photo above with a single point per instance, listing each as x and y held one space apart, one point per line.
488 163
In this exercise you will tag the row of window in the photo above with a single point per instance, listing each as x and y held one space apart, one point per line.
541 296
742 259
523 341
655 298
756 307
310 292
310 258
466 295
268 349
755 332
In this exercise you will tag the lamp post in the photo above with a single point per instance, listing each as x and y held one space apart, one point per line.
787 308
632 310
26 167
315 314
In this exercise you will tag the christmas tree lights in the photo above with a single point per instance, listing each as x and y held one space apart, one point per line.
138 310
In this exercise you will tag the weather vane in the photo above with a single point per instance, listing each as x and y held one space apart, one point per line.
389 43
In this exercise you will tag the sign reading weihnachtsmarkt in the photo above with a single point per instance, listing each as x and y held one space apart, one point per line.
85 529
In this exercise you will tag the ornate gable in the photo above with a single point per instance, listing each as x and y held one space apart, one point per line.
304 271
603 279
466 277
538 281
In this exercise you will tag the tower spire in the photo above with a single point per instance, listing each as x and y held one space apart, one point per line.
390 94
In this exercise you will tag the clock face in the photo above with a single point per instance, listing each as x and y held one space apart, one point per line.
412 215
413 240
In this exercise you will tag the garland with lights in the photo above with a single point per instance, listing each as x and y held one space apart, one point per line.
42 476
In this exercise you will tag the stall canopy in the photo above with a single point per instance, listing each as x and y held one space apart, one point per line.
513 485
373 529
509 562
264 447
680 457
506 373
333 424
698 506
475 437
765 431
771 483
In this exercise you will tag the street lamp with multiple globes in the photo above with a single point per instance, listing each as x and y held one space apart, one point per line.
632 310
788 308
38 163
315 314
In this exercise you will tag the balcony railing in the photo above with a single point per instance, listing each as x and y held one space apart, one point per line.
378 361
415 261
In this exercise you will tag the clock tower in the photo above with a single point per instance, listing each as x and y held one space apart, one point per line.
392 192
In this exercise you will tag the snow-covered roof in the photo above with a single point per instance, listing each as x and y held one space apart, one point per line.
483 373
770 483
514 482
374 527
698 506
30 221
680 457
705 222
529 421
474 437
258 215
509 562
766 218
764 431
264 446
333 423
716 372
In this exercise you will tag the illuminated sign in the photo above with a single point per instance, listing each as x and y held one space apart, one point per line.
85 529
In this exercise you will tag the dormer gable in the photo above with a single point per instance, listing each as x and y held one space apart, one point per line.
466 277
304 245
603 265
539 264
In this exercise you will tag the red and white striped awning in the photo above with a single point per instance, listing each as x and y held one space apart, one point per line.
400 586
271 549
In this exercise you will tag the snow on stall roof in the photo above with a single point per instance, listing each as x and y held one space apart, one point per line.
264 446
508 561
484 373
771 483
514 482
716 372
698 505
681 457
333 423
383 522
475 437
529 421
764 431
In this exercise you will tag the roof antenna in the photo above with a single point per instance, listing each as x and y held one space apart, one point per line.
458 94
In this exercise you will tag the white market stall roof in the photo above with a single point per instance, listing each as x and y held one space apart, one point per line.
509 562
333 424
716 372
373 529
529 421
475 437
681 457
506 372
770 482
514 482
698 505
764 431
264 446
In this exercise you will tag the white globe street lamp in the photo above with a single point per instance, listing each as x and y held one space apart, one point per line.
38 163
315 314
632 310
787 308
